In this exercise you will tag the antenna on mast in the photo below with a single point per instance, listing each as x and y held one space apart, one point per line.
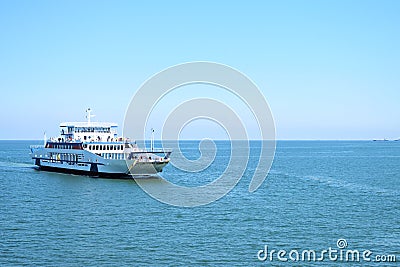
89 115
152 140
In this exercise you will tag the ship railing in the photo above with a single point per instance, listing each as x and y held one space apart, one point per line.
146 155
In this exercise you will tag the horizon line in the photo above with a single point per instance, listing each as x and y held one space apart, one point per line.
316 139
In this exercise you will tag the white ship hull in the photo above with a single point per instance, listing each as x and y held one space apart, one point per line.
85 162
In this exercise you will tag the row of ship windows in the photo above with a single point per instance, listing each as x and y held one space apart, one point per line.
104 147
113 155
65 157
63 146
87 129
76 157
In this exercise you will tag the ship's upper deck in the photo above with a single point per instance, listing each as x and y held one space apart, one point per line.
85 124
89 131
93 131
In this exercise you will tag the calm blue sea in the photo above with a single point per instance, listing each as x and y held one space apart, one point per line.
316 193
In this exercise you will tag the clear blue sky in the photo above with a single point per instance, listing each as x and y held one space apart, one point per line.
329 69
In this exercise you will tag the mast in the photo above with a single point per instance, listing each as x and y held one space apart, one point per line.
89 115
152 140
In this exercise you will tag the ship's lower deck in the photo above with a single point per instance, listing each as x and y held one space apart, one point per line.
85 172
108 165
139 169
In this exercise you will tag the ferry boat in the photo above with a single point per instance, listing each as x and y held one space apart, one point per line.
94 148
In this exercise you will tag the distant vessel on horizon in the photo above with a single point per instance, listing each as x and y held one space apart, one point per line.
94 148
384 139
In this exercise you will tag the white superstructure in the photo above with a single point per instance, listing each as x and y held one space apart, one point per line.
94 148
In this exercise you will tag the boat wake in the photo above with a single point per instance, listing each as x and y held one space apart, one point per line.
355 187
338 183
11 164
